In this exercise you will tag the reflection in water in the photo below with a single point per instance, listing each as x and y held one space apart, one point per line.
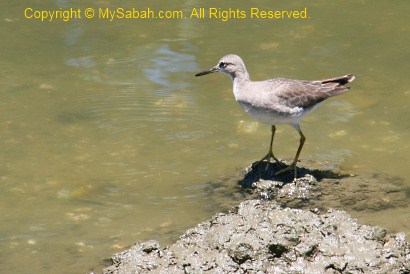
166 64
84 62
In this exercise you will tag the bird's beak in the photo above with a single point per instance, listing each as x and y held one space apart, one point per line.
214 69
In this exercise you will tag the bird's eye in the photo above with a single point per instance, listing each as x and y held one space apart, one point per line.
222 64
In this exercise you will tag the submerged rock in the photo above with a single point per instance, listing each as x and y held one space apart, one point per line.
323 189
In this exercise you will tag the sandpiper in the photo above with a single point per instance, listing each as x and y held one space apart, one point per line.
278 101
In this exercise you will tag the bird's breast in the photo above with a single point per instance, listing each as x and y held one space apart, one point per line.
273 115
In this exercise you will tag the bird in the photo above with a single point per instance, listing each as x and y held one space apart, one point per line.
279 100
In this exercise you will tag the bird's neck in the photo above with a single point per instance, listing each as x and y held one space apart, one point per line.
241 77
239 84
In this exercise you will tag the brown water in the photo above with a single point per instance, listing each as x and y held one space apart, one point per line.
107 138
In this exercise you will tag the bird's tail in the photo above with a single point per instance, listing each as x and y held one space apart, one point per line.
343 80
337 84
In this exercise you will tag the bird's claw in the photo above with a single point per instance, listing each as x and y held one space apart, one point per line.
268 157
288 168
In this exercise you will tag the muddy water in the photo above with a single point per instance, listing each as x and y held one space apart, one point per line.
108 139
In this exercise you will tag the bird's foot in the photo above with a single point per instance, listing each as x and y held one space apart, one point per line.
267 160
268 157
288 168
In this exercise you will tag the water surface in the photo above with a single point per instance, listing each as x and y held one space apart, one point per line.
107 138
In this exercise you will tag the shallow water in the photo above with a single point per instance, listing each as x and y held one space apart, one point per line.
107 138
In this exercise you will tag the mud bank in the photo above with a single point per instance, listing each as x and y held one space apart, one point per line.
270 233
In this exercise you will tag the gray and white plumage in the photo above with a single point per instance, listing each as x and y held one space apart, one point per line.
279 100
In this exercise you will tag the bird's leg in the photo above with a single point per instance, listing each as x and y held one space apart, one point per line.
270 153
293 164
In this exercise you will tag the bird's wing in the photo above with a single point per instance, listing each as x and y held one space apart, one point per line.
306 94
